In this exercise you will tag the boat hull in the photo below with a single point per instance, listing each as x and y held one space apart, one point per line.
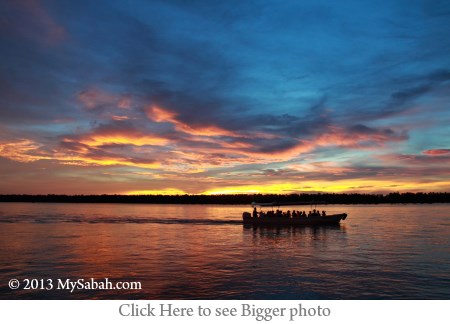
296 221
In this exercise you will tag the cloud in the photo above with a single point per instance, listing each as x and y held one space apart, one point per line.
426 83
224 94
211 147
359 136
433 160
106 137
418 86
108 106
94 98
434 152
30 19
158 114
400 97
120 118
23 150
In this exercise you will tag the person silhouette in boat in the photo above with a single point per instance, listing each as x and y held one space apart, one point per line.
255 213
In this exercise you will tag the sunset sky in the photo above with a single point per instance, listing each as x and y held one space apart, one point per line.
195 97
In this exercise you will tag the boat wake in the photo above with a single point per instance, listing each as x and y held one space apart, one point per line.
115 220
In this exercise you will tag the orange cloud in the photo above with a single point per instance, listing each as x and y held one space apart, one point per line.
252 147
22 151
26 151
193 169
197 150
159 115
129 139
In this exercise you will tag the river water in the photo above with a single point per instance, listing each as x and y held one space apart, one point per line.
204 252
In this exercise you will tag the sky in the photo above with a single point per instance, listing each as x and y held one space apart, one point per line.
215 97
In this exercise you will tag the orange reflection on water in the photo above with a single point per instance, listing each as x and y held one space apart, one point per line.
195 252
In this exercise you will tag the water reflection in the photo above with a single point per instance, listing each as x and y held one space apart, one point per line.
295 234
292 230
378 252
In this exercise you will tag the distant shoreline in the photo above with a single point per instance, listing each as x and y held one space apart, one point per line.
239 199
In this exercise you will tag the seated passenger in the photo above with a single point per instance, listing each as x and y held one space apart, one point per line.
323 213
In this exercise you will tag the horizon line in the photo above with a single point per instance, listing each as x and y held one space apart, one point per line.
231 194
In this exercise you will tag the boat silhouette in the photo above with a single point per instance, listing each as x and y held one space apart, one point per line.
296 218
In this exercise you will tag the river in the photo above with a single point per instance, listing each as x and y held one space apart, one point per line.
204 252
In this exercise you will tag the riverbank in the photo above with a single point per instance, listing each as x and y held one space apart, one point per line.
241 199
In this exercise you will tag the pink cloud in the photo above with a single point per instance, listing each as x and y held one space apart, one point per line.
437 152
106 104
358 136
435 161
95 98
124 102
119 118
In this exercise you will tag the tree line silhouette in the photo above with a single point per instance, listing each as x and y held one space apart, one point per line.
229 199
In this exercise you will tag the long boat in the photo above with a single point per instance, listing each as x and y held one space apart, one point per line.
287 219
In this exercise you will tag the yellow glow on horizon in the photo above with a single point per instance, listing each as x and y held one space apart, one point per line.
231 191
340 186
166 191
